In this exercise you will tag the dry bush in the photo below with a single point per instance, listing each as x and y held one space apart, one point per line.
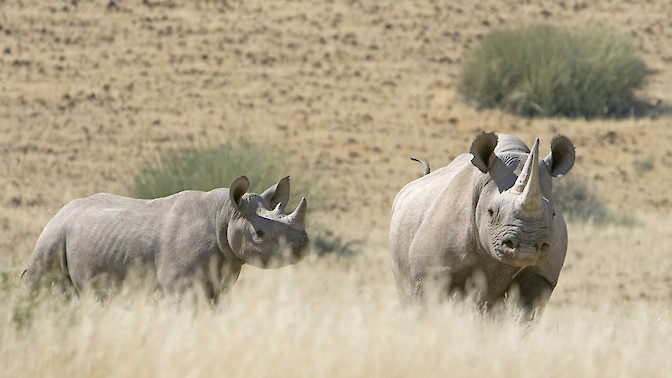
578 202
212 167
548 71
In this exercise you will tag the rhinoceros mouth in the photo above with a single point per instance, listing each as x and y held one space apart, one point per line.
520 257
299 252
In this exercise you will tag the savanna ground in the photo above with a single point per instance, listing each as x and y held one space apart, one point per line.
349 91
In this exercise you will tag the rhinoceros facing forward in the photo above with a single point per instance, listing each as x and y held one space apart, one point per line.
487 214
174 241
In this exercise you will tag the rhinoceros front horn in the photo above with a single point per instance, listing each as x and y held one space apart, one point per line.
299 215
527 183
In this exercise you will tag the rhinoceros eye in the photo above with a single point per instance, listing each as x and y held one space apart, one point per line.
259 234
490 211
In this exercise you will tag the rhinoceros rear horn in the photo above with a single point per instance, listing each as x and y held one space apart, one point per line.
527 183
278 208
299 215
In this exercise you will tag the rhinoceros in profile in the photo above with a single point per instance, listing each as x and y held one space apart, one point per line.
487 214
188 237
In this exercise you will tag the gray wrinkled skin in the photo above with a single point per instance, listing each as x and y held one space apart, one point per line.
486 221
174 241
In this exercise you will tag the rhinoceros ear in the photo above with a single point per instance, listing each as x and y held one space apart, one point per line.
561 158
278 193
238 189
483 150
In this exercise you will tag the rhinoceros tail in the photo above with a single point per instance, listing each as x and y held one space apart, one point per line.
424 164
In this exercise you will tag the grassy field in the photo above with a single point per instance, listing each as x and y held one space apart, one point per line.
347 91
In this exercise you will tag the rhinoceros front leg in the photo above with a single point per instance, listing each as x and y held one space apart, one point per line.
432 284
220 281
418 288
534 292
229 277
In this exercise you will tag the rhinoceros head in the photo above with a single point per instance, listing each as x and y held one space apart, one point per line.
259 232
515 215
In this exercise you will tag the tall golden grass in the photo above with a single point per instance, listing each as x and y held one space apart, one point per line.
341 317
329 318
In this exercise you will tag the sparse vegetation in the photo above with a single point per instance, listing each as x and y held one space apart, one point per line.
644 165
325 242
211 167
578 202
549 71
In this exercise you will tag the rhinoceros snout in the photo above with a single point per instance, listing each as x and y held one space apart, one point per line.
300 249
299 245
516 253
299 252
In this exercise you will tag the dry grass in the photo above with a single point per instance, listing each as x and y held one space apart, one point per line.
332 318
350 90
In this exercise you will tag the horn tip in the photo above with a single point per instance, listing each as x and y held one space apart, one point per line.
299 214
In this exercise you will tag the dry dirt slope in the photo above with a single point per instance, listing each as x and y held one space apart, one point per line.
350 90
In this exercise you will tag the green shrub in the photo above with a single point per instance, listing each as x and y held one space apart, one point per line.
644 165
548 71
213 167
576 201
325 242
